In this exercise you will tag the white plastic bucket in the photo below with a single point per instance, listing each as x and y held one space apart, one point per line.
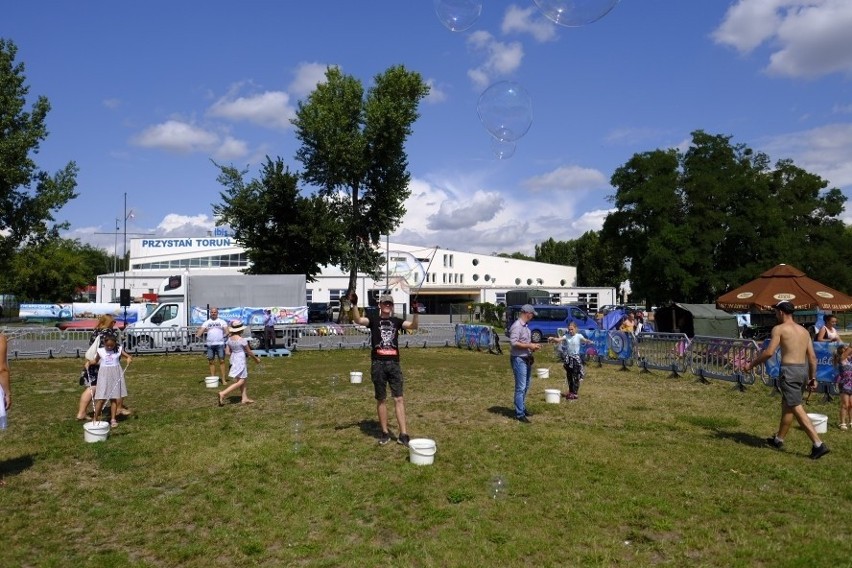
820 422
211 382
553 396
421 451
95 431
543 372
355 377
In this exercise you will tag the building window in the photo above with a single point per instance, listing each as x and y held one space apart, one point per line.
336 294
475 277
309 295
475 262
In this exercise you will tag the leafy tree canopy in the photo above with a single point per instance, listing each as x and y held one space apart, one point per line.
353 151
692 225
28 196
53 270
281 231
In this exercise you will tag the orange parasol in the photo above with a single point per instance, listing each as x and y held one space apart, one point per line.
784 282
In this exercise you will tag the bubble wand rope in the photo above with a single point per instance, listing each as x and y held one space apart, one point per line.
426 273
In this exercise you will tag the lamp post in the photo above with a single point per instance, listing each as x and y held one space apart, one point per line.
115 260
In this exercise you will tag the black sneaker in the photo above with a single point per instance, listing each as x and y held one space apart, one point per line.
527 413
524 419
384 438
403 439
774 442
819 451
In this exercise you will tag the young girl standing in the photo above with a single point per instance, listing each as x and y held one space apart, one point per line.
843 357
238 349
569 351
111 385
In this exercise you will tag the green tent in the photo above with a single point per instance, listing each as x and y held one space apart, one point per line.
696 319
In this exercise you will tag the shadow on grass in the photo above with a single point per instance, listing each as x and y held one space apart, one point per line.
741 438
15 466
370 428
502 411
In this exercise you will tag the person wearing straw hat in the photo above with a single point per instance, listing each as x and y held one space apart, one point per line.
798 364
384 366
521 359
238 349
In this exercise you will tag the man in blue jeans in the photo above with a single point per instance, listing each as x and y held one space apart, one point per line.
521 359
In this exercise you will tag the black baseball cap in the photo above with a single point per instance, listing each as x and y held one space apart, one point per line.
785 306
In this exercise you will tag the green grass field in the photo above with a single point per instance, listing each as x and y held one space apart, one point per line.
643 470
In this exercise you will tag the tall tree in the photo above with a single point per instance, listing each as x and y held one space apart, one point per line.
28 196
557 252
598 264
52 270
353 151
693 225
281 231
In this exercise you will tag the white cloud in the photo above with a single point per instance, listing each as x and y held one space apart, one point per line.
500 58
823 151
230 149
807 38
567 178
528 20
307 77
177 136
436 95
271 109
174 224
112 103
185 138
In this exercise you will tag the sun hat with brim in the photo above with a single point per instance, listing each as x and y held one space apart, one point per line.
236 326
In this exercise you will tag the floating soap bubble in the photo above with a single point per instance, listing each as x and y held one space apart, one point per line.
499 487
502 149
333 380
296 427
505 110
458 15
575 13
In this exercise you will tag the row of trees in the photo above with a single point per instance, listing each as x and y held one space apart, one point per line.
686 226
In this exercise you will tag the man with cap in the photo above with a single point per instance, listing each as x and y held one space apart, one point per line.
384 367
521 359
798 365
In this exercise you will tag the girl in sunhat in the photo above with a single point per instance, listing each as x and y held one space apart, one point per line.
238 349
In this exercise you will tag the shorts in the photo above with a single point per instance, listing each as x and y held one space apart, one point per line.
384 373
792 383
215 350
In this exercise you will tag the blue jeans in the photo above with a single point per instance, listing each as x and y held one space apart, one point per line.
523 378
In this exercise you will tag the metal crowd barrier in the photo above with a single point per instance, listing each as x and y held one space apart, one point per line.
724 359
39 342
662 351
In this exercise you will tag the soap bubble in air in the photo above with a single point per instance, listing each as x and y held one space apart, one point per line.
458 15
505 110
575 13
502 149
499 487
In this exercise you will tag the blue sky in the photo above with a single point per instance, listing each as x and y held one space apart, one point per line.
145 95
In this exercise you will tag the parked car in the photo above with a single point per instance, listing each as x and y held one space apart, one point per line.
319 312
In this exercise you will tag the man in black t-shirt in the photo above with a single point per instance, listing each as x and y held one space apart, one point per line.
385 369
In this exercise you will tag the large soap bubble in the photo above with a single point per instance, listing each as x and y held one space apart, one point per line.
458 15
505 109
503 149
574 13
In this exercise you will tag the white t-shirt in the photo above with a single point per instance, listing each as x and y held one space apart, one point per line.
216 330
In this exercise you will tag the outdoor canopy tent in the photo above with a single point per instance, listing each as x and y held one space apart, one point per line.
696 319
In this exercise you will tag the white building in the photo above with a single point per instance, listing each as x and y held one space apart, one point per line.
439 278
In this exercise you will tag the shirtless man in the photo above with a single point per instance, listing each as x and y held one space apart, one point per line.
798 361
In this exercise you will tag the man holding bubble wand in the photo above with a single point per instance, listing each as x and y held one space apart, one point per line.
385 369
